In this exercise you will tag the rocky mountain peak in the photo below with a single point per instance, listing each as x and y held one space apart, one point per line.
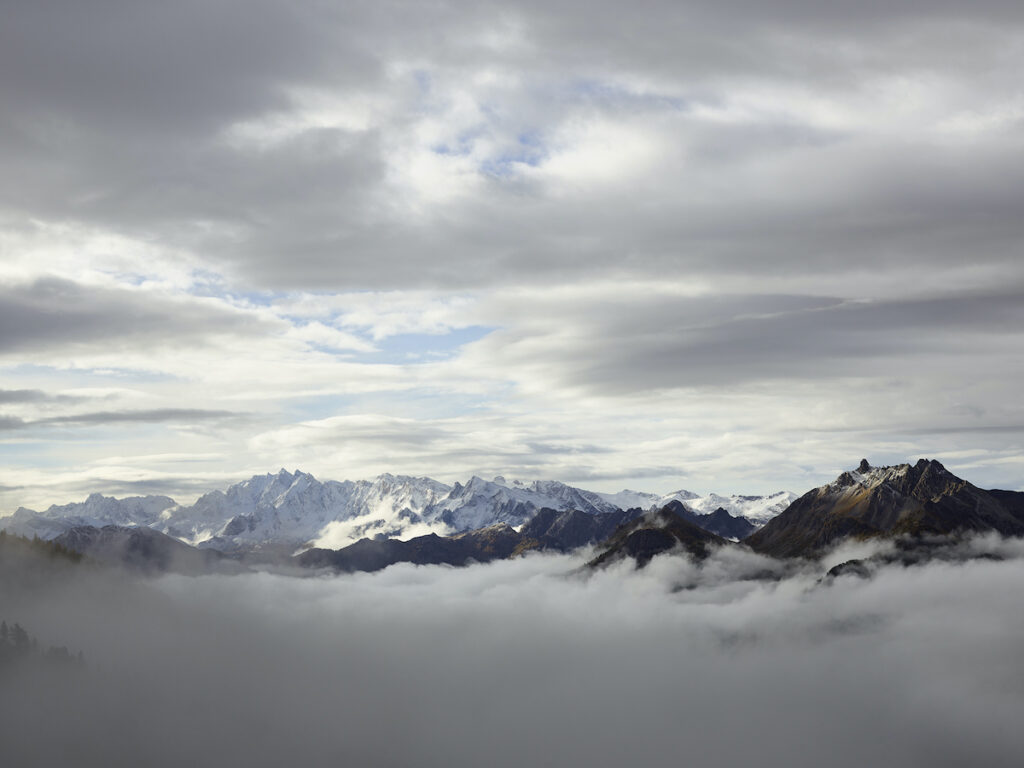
924 498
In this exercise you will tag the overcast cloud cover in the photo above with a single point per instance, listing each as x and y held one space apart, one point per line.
726 246
528 662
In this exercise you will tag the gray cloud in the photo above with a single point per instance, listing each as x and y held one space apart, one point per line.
163 70
101 418
52 313
632 343
22 396
122 124
140 416
523 662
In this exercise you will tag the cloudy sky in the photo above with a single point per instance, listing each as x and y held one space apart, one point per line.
728 245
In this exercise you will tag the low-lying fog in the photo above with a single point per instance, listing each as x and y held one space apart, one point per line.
525 662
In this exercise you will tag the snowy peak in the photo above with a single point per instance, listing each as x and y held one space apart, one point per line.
926 478
133 510
630 499
271 489
292 509
758 509
97 510
480 503
681 495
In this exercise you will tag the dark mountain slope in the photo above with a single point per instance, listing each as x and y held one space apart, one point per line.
140 549
547 530
483 545
887 501
656 532
719 522
566 531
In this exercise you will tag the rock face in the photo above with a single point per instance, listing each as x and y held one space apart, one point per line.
924 498
653 533
850 568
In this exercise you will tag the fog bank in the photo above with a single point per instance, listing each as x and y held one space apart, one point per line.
529 662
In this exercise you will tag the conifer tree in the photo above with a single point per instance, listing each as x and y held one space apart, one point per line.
22 644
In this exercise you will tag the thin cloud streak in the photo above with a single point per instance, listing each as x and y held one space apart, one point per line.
100 418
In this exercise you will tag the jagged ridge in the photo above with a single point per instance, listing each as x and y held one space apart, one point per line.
924 498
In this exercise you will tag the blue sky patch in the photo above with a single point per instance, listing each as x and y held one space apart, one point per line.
424 347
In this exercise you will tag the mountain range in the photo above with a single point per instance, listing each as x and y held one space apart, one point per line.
287 511
923 509
296 519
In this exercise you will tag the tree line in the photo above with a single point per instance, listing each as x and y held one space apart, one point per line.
16 643
11 544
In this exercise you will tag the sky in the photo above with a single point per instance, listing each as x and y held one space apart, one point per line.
724 246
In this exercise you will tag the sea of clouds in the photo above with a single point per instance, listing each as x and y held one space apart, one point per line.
741 660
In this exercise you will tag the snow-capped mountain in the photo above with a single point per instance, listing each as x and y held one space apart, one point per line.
757 509
627 499
296 510
96 510
480 502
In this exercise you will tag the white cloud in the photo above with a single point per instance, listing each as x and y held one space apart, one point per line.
527 660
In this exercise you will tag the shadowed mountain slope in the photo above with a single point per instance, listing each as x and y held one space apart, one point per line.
566 531
924 498
549 529
483 545
656 532
719 522
140 549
